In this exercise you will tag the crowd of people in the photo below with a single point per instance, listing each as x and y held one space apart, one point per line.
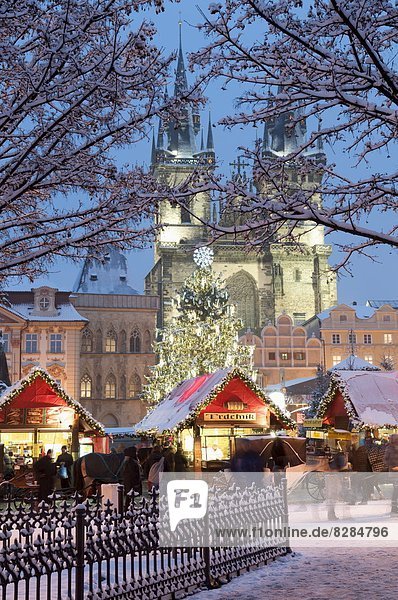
146 464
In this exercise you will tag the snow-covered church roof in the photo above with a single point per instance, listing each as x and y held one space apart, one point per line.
183 404
354 363
108 277
370 398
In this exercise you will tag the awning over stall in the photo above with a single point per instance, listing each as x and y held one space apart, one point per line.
366 398
216 398
37 399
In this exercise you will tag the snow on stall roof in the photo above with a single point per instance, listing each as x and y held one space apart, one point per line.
354 363
182 401
374 395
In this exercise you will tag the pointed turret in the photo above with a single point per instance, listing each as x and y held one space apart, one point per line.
210 142
202 142
160 144
181 133
153 151
181 82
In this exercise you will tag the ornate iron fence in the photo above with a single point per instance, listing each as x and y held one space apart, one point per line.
83 550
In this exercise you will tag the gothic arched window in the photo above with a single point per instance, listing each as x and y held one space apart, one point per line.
110 341
85 386
243 294
135 341
87 340
110 387
135 386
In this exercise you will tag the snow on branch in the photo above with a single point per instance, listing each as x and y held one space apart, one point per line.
78 79
331 62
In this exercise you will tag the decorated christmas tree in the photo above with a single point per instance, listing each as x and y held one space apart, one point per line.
202 338
321 387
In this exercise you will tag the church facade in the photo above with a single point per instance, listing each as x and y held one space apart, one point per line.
282 278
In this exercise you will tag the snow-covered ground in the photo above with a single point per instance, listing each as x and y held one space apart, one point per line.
318 574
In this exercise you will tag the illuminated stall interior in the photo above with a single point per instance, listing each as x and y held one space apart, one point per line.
356 402
208 412
36 415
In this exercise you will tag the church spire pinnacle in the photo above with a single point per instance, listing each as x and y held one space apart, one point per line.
210 142
181 82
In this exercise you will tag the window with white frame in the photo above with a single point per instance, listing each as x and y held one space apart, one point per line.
6 342
352 338
336 360
31 343
367 338
85 387
369 358
388 338
336 339
55 342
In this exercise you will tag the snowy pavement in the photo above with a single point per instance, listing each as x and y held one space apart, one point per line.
318 574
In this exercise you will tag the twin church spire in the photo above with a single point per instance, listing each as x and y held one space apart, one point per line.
176 139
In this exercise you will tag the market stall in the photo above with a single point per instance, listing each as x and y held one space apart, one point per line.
36 415
207 413
356 402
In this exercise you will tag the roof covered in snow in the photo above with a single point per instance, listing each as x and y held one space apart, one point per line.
372 395
380 303
361 312
354 363
22 304
192 395
108 277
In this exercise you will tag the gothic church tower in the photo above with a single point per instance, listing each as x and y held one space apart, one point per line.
261 286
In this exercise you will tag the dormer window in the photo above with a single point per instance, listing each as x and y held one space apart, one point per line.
44 303
93 277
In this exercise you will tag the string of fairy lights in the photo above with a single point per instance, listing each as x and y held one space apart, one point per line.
189 421
36 372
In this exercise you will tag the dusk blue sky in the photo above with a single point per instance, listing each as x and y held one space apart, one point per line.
375 280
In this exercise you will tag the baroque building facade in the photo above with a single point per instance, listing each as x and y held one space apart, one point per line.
282 278
367 332
116 345
42 328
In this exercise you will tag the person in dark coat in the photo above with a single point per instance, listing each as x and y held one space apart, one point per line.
279 456
65 459
391 461
153 458
180 460
169 464
45 471
249 464
132 473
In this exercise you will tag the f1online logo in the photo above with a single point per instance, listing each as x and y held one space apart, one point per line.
187 499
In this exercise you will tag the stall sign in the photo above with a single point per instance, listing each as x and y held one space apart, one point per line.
230 416
312 423
316 435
